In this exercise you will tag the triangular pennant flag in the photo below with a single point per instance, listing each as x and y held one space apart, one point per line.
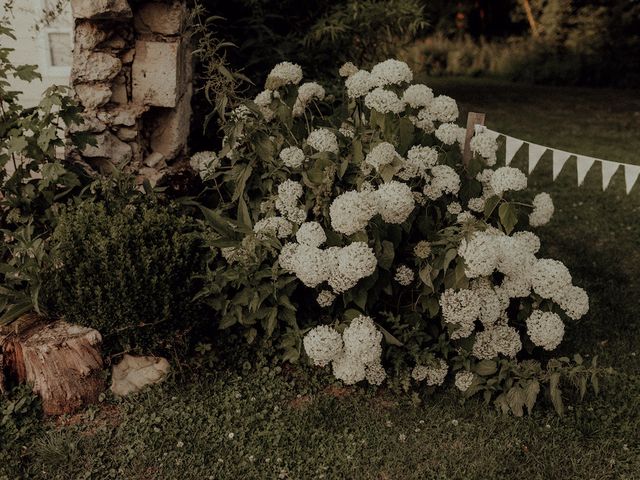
511 148
560 157
492 133
631 173
583 165
535 153
608 169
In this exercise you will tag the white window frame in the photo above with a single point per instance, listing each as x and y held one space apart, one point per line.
44 45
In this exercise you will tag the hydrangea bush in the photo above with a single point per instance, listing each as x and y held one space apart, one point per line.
359 236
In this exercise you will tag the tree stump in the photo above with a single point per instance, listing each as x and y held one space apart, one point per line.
62 362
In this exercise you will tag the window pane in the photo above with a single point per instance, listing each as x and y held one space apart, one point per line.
60 48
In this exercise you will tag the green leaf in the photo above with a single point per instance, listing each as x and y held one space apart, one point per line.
241 182
390 339
516 399
16 311
490 205
555 393
388 253
271 321
508 217
17 143
486 368
531 394
244 217
27 73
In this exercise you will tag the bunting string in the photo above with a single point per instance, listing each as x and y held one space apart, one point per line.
560 157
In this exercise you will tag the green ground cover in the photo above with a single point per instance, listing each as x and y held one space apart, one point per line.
250 420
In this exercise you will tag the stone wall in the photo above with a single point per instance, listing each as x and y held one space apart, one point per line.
132 72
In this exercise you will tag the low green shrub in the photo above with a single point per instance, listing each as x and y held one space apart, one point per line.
126 271
19 421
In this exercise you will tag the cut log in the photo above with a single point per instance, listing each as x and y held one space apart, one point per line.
61 361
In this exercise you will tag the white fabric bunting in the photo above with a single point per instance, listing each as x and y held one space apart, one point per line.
535 153
608 169
511 148
560 157
631 173
583 165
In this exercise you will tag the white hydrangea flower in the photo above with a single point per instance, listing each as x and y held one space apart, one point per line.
362 340
464 217
351 211
460 308
508 178
292 157
205 163
284 73
382 154
307 92
454 208
476 204
545 329
444 180
404 275
383 101
484 144
574 301
312 234
347 130
325 298
264 98
443 109
310 265
349 370
543 210
272 226
447 133
347 69
288 257
356 261
323 140
497 340
289 192
375 373
263 101
433 374
395 201
464 380
359 84
323 345
529 241
391 72
549 277
424 121
493 301
422 249
417 96
425 156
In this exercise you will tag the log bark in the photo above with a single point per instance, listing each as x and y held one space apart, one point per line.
61 361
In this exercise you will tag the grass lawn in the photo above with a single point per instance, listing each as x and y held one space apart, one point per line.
261 422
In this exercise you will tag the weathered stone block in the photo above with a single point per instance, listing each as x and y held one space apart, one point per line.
93 95
90 124
171 130
88 35
110 147
122 115
94 67
101 9
154 160
127 134
161 18
158 73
